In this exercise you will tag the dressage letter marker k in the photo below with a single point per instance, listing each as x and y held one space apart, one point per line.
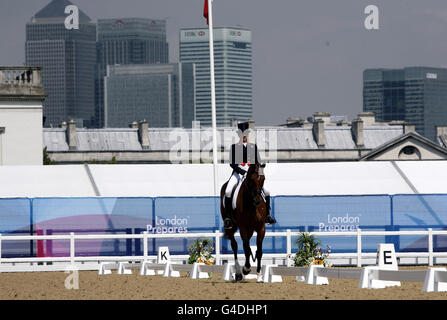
163 256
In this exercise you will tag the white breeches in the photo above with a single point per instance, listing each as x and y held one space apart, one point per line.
235 178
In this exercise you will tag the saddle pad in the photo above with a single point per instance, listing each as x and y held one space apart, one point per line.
236 192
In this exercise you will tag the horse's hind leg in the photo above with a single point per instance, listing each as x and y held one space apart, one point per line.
259 239
236 262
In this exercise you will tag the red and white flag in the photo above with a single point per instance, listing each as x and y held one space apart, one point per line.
205 11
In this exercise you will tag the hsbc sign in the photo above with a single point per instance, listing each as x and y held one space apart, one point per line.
220 34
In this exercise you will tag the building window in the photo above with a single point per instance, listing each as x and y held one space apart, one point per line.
409 153
240 45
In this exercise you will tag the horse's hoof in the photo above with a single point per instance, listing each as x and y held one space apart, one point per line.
238 277
259 278
245 270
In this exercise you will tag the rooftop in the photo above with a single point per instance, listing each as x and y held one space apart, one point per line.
55 10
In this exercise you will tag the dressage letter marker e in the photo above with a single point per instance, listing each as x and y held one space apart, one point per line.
387 261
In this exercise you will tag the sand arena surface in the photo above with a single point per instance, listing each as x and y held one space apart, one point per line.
51 286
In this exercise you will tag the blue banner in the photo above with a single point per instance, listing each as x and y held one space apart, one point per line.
420 212
91 215
179 215
334 214
15 219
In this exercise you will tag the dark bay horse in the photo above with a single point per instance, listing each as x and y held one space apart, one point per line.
250 216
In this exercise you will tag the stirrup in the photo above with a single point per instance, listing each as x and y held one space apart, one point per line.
228 225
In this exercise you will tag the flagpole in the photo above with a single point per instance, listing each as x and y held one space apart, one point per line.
213 93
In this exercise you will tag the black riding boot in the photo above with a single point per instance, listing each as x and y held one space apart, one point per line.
268 219
227 214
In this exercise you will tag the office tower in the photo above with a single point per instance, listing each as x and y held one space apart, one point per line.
127 41
67 58
162 94
417 95
233 72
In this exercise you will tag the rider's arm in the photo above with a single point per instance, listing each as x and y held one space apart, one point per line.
233 164
258 156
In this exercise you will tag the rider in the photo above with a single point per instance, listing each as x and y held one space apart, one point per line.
242 155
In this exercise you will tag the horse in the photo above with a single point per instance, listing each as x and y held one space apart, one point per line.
249 216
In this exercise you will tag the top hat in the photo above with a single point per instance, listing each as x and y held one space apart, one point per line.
243 126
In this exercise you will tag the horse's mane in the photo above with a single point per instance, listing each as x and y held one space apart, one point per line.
251 170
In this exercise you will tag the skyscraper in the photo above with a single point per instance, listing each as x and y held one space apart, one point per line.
417 95
162 94
67 58
233 72
127 41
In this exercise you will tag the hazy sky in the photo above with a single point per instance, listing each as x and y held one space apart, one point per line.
308 55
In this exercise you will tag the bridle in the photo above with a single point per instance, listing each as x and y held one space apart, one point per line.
249 185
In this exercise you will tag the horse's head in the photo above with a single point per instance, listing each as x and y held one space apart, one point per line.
255 181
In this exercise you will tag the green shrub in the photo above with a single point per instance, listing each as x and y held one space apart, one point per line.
309 251
200 251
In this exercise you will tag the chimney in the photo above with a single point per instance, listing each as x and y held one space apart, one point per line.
143 134
357 132
441 130
71 135
195 124
325 116
410 128
368 118
251 124
294 122
318 132
133 125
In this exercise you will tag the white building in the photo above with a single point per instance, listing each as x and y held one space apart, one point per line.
21 119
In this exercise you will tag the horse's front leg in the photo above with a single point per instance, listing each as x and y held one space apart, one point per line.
236 262
247 250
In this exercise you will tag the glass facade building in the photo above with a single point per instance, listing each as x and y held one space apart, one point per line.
163 94
233 72
127 41
67 58
417 95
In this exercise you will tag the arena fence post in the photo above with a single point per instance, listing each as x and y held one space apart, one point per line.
145 245
288 243
430 247
0 248
72 247
217 247
359 247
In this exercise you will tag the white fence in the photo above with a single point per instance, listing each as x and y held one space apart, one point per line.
8 264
